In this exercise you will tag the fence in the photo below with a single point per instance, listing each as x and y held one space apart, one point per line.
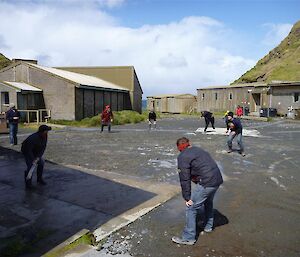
37 116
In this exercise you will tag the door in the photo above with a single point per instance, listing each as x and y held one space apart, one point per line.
256 98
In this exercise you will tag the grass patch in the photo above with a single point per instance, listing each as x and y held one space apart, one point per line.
120 118
87 239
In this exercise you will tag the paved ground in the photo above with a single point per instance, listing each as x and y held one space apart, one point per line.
257 208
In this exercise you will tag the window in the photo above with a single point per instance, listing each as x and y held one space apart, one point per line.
230 96
216 96
296 97
203 95
5 97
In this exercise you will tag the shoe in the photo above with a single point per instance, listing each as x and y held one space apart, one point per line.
181 241
243 154
229 151
41 182
208 230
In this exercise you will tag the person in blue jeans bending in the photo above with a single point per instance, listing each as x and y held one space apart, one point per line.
196 165
235 130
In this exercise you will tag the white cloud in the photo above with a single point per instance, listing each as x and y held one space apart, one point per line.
276 33
176 57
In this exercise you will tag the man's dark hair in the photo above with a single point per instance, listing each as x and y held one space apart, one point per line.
182 140
230 114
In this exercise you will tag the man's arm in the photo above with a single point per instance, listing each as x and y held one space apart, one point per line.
185 182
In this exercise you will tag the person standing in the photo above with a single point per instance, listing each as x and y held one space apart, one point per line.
152 119
106 118
239 111
209 118
13 117
235 130
196 165
33 149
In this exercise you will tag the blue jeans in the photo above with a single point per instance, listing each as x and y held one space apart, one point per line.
200 196
239 141
13 130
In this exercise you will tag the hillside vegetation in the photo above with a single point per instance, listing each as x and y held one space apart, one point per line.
4 62
282 63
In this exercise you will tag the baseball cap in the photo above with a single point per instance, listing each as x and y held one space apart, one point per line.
44 128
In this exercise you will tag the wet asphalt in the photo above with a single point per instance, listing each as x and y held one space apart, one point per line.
257 208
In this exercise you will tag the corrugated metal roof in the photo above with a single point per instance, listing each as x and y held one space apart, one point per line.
81 79
22 86
256 84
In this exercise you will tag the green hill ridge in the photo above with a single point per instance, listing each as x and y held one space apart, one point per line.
4 62
281 63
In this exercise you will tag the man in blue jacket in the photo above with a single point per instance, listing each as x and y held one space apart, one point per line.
12 117
196 165
33 149
236 130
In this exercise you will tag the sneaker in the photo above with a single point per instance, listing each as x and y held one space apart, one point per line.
208 230
181 241
41 182
243 154
229 151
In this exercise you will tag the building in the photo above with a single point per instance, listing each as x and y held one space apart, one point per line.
124 76
68 95
173 103
277 94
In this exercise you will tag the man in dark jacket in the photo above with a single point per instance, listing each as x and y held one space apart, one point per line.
236 129
209 118
196 165
152 119
12 117
33 149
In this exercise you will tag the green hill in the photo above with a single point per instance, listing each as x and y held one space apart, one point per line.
282 63
4 61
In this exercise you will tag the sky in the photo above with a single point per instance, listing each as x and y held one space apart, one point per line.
176 46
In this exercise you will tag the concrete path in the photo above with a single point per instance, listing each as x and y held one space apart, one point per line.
74 199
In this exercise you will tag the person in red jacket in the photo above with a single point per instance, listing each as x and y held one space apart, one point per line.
106 118
239 111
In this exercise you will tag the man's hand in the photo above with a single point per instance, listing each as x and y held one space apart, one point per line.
189 203
232 133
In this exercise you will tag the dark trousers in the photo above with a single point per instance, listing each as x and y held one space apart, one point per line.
109 127
13 130
39 170
209 120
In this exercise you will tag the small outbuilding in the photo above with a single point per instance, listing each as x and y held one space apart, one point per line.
172 103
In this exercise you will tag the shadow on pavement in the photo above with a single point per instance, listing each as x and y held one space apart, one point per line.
219 220
33 222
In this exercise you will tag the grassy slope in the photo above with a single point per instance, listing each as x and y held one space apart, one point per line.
282 63
4 62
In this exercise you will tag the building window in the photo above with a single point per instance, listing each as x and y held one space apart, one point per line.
5 97
216 96
296 97
230 96
203 95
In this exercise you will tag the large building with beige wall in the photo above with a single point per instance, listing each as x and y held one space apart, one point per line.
172 103
69 95
278 94
124 76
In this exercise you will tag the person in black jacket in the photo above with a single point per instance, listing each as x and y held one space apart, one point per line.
236 130
209 118
196 165
12 117
33 149
152 119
